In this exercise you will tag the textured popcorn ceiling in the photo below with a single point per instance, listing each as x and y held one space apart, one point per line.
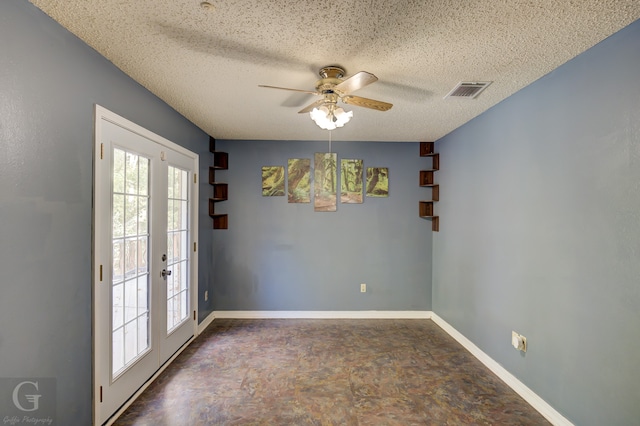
208 63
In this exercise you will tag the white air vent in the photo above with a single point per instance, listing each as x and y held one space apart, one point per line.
468 89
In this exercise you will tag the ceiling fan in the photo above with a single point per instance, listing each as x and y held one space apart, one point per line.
332 87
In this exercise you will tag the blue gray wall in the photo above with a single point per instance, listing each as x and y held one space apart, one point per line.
281 256
49 83
540 233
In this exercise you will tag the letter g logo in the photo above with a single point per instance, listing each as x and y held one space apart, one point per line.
33 399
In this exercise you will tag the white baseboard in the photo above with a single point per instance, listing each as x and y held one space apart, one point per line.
324 314
205 322
520 388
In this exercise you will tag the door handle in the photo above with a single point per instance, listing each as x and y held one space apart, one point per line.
165 273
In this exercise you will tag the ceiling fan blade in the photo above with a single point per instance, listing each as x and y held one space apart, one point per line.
292 90
355 82
367 103
309 108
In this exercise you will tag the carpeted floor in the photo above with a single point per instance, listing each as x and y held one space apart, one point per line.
328 372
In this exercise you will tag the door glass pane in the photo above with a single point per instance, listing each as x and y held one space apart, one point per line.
130 272
131 173
143 225
118 305
143 177
177 250
118 171
131 215
118 215
117 344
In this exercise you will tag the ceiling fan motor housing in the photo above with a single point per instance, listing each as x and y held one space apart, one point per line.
331 77
331 71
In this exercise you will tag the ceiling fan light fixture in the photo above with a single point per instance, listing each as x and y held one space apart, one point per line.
328 118
333 88
341 116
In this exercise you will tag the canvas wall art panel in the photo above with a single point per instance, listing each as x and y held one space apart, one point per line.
351 181
377 182
273 181
299 180
325 182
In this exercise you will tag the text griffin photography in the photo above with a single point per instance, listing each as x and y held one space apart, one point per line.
28 401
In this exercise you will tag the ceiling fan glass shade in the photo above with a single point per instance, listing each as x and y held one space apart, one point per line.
330 118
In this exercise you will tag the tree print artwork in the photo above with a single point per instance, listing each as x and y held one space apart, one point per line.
299 180
351 181
325 182
273 181
377 182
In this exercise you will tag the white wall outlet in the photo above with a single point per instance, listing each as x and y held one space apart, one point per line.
518 341
206 295
363 288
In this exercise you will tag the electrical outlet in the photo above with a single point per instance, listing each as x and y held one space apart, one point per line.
363 288
518 341
206 295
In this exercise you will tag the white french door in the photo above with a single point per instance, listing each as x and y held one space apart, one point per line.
145 228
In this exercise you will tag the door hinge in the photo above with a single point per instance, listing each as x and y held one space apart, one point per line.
195 178
194 315
100 272
101 151
100 393
194 246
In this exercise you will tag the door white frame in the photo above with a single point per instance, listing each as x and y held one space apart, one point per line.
100 216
